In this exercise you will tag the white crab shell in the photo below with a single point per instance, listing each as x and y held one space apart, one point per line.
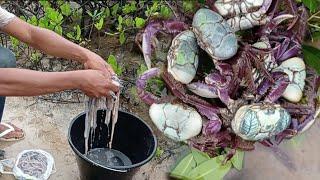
230 7
260 121
296 70
176 121
183 57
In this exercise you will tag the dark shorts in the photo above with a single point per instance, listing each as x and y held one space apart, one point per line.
7 60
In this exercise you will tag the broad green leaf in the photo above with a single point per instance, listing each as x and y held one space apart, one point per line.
184 166
65 9
199 156
165 11
311 4
58 29
44 22
114 9
45 4
99 24
122 38
237 160
312 57
113 62
107 12
128 21
140 22
211 169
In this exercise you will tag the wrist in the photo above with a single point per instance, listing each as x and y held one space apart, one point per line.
76 79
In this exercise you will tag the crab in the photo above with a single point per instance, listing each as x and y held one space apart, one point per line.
259 90
214 35
183 57
260 121
244 14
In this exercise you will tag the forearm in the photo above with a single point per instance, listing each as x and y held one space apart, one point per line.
20 82
47 41
55 45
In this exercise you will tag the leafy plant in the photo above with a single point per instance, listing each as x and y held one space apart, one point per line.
159 152
114 64
141 69
198 165
76 34
140 22
312 57
237 160
66 9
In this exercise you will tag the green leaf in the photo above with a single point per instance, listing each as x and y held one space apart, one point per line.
70 35
78 34
45 4
107 12
90 14
199 156
141 69
237 160
99 24
159 152
184 166
44 22
140 22
65 9
113 63
114 9
211 169
122 38
312 57
58 29
311 4
165 11
128 21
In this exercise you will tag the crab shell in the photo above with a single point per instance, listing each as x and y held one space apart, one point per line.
260 121
296 70
230 7
183 57
176 121
214 34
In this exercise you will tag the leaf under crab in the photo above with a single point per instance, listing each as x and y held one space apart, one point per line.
237 159
312 57
212 169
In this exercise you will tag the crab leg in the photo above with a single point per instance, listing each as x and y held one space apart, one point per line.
170 26
179 91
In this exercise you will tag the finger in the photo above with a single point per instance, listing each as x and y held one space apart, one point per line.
113 87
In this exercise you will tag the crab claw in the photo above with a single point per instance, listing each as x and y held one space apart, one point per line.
152 29
141 83
203 90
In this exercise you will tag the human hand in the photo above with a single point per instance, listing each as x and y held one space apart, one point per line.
95 83
94 61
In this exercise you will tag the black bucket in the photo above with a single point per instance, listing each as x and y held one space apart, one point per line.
132 136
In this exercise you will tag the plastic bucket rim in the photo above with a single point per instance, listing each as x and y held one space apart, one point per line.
121 168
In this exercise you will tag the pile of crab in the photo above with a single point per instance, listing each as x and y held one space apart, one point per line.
258 88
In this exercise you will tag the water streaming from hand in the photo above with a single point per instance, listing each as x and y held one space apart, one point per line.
103 156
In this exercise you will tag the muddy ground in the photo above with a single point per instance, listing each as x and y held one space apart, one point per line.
46 125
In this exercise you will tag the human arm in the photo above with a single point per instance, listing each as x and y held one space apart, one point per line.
21 82
51 43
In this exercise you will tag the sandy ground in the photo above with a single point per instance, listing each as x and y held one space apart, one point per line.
46 126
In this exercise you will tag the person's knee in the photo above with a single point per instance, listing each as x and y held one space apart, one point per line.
7 58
